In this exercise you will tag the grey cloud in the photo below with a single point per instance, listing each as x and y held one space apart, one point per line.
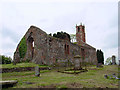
52 17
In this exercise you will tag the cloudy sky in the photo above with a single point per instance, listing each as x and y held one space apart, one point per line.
99 17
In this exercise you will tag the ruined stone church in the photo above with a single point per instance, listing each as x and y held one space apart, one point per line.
42 48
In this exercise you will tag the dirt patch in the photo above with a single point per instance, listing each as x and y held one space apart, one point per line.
29 82
72 71
74 85
67 85
49 86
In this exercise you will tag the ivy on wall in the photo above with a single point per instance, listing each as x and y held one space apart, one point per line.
22 47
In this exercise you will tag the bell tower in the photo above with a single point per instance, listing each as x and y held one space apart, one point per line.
80 34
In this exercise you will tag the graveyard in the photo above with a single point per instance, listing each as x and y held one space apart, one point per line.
94 77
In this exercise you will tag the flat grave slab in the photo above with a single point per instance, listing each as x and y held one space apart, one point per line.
8 83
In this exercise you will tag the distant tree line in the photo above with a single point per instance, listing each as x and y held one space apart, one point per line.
5 59
61 35
100 56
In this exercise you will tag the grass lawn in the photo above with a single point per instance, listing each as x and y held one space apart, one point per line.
21 65
94 78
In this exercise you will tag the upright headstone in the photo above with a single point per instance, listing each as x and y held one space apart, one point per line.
106 76
77 62
119 62
113 60
14 63
37 71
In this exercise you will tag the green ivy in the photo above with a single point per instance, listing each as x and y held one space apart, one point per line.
22 47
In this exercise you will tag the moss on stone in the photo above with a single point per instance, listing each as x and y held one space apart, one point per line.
75 42
22 47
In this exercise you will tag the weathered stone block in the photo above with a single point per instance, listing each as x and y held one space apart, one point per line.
37 71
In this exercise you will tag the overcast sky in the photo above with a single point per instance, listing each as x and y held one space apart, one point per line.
100 20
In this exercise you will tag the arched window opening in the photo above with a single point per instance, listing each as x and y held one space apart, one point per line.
33 48
31 45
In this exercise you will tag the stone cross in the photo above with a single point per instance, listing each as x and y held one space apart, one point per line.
37 71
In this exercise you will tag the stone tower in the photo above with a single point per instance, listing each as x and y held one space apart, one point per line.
80 34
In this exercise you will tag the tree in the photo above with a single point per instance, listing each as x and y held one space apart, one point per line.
100 56
108 60
54 35
5 59
61 35
50 34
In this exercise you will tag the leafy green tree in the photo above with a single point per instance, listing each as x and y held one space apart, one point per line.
61 35
54 35
108 60
5 59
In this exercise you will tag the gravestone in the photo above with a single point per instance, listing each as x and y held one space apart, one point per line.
14 63
106 76
119 62
37 71
77 62
113 60
8 83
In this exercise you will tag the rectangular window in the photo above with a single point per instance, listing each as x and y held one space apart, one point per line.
82 53
66 49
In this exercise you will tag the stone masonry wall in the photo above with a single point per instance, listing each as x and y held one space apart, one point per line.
48 49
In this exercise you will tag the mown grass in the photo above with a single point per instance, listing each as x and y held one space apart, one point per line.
94 78
21 65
